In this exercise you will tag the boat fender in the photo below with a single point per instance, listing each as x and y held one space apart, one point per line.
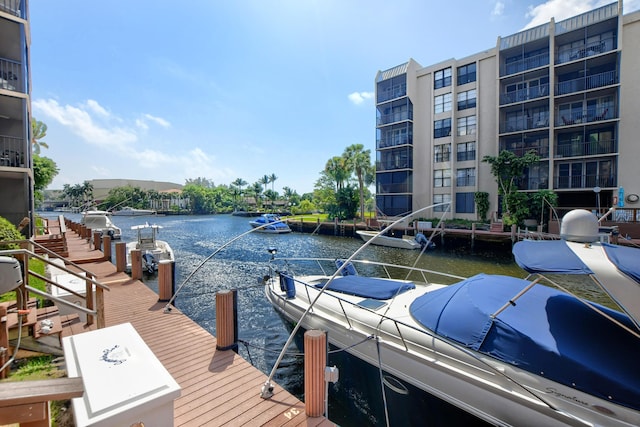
110 233
149 261
287 285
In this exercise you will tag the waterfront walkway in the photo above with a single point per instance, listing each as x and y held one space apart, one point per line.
218 388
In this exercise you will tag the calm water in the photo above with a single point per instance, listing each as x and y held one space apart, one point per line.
355 400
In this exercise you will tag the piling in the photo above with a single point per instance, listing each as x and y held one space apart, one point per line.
4 342
121 256
315 360
226 320
106 247
136 264
165 280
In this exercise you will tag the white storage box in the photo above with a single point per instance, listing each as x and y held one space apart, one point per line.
123 380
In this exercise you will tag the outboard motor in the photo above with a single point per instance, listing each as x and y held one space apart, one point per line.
149 262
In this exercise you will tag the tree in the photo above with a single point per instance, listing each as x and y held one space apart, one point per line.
44 170
264 181
38 131
272 180
508 168
337 170
358 160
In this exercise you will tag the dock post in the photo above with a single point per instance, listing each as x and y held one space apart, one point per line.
473 235
226 320
97 242
4 342
165 280
121 256
315 360
106 247
136 264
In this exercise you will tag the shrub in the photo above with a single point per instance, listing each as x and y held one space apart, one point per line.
8 231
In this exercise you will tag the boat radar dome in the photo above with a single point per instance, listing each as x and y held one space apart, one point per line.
579 225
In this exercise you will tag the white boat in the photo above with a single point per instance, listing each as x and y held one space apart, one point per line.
153 250
404 242
98 220
129 211
510 351
270 223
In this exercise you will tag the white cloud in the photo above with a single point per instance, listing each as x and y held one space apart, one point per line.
359 97
97 108
560 10
498 8
162 122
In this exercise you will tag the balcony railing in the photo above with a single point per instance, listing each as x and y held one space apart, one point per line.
533 92
588 148
533 184
576 117
11 75
525 123
465 181
392 165
12 152
394 117
393 142
568 53
589 82
542 152
525 64
393 188
12 7
584 181
392 93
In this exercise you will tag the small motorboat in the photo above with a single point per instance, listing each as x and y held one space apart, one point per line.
405 242
100 221
270 223
153 250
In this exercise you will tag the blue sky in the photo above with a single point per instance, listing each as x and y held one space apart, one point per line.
170 91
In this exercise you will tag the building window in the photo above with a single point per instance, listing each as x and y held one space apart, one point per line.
465 203
442 128
442 103
467 99
442 178
467 125
467 74
466 177
442 153
442 78
441 198
466 151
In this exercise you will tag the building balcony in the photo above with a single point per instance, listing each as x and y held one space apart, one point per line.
387 119
589 82
541 152
525 123
13 7
402 188
392 165
584 182
524 64
521 95
533 184
393 142
11 75
590 115
12 152
588 148
570 53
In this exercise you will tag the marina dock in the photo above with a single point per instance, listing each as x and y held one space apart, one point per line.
217 387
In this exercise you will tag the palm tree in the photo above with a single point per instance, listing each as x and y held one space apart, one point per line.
257 191
358 160
38 131
336 169
264 181
272 179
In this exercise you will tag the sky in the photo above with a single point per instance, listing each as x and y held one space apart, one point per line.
174 91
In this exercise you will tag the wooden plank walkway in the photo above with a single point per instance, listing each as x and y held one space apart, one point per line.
219 388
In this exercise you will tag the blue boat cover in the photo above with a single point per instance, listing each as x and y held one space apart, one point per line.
368 287
548 256
554 256
547 332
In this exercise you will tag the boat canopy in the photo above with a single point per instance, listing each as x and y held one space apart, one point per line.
368 287
545 331
555 256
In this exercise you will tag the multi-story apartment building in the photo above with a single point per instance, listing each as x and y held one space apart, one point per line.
569 90
16 172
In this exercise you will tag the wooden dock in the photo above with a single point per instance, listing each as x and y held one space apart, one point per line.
218 388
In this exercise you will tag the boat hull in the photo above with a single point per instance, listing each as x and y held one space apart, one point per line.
479 385
406 242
